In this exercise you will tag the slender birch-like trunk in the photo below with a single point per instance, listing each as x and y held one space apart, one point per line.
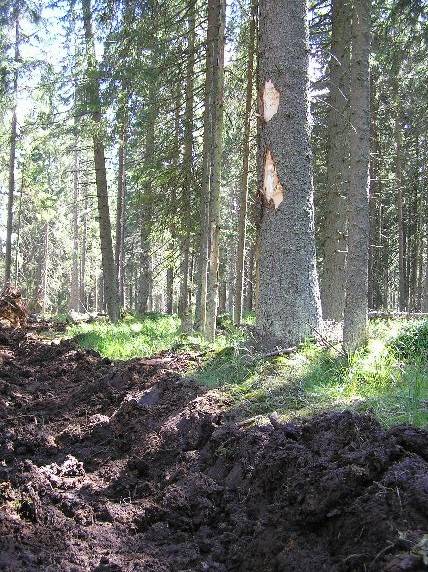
243 205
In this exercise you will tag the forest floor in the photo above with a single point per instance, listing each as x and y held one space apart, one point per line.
140 465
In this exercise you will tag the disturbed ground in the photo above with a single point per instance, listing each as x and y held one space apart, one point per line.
133 467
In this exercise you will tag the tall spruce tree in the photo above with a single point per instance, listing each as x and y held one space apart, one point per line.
289 303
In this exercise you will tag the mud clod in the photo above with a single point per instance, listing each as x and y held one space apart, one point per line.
131 467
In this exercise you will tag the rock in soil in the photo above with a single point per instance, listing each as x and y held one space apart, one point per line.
130 467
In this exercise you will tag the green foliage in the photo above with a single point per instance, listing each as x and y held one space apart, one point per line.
377 378
412 342
317 378
130 338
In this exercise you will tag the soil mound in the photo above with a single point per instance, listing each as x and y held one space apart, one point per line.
132 467
13 309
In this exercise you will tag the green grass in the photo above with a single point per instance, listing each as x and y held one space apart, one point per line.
142 337
129 338
388 377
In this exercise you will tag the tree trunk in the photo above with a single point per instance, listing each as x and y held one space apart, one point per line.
243 206
333 275
424 306
202 272
400 218
74 284
109 270
289 301
12 158
356 301
169 290
215 157
18 229
184 306
146 273
250 278
146 270
83 306
45 270
378 253
120 213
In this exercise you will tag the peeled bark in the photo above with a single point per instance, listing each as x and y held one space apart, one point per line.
356 300
333 274
108 266
243 204
289 301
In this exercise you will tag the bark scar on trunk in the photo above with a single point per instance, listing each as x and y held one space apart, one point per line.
270 100
272 188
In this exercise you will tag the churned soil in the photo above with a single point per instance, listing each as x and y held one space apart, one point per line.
133 467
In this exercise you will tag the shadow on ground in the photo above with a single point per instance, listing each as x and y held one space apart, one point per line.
131 467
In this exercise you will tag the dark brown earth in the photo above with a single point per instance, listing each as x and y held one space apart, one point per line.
120 467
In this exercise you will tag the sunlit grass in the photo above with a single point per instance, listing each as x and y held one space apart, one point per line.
375 379
129 338
146 336
388 377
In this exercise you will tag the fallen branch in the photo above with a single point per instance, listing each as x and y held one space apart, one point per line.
328 344
278 352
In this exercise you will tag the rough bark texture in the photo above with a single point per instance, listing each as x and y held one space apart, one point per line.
12 159
185 298
120 214
146 265
333 275
424 306
146 271
202 271
399 203
288 300
109 270
18 229
74 282
378 253
45 270
169 290
356 302
83 306
242 223
217 105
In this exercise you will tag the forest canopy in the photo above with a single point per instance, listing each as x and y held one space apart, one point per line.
150 152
